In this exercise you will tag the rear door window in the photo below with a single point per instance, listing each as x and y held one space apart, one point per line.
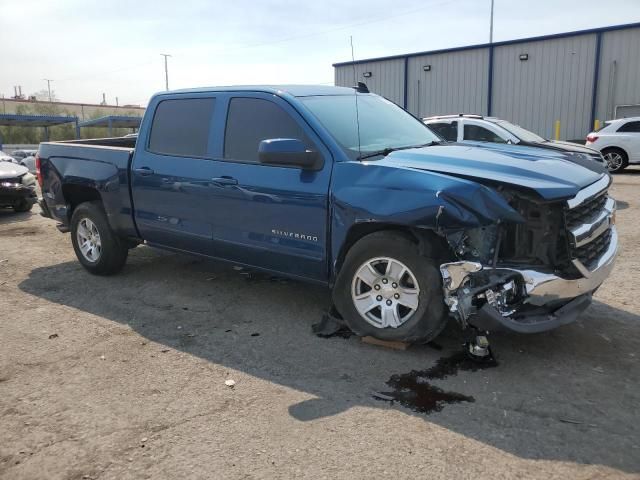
480 134
181 127
447 130
251 120
630 127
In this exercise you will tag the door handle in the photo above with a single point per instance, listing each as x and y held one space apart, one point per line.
143 171
224 181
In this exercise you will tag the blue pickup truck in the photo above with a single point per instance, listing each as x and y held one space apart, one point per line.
341 187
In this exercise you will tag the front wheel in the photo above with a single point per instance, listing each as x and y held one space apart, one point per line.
386 289
97 247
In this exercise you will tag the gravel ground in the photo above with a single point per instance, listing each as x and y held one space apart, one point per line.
124 377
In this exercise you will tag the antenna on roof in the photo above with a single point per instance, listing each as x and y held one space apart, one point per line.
357 88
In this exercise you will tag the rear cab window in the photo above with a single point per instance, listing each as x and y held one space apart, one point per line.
447 130
251 120
181 127
477 133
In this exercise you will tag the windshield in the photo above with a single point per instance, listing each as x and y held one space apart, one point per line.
383 124
521 133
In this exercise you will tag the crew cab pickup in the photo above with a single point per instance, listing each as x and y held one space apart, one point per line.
341 187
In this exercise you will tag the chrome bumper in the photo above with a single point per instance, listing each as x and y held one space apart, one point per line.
540 288
543 288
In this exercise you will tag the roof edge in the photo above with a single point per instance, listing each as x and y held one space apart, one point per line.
494 44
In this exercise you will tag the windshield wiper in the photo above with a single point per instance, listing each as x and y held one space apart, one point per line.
386 151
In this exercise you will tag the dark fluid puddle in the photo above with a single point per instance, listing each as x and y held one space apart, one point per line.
413 390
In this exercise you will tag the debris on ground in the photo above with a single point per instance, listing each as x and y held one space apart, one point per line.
230 383
52 336
331 325
256 334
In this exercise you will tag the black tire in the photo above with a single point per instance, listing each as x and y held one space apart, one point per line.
114 250
22 206
614 151
430 316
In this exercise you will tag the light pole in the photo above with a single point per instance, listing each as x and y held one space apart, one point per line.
48 80
166 70
491 24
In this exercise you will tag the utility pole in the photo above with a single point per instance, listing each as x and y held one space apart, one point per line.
48 80
166 70
491 24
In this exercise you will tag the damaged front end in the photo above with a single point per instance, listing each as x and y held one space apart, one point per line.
537 273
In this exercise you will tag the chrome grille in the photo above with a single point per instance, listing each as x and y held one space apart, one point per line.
584 212
589 254
11 180
588 220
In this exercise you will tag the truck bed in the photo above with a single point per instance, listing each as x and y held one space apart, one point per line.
72 170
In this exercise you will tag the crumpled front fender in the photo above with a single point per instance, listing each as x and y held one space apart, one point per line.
378 193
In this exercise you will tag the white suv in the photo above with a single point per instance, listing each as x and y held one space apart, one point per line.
476 128
619 142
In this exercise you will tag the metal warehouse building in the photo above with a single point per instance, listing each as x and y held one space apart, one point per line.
578 78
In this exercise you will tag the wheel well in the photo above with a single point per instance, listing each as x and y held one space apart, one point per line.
622 150
77 194
430 243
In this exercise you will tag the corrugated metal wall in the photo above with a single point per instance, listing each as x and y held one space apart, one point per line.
619 82
555 83
387 78
457 82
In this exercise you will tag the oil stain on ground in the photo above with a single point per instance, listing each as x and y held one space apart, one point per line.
413 390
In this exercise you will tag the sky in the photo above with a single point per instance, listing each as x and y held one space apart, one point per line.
89 47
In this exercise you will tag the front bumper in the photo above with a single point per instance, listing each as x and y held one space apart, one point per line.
12 194
548 300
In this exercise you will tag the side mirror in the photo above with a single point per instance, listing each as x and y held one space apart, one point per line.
288 152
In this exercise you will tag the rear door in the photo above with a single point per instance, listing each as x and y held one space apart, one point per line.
172 171
272 217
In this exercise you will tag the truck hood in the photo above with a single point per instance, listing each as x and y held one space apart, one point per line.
547 173
11 170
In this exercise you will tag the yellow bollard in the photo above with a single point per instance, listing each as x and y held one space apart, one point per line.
557 129
596 125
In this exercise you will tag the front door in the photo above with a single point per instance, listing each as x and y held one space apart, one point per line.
271 217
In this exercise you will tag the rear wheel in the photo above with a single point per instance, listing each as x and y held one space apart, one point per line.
97 247
616 159
386 289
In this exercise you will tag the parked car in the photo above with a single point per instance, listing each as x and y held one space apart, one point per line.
406 229
619 142
30 163
20 154
476 128
17 187
5 157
